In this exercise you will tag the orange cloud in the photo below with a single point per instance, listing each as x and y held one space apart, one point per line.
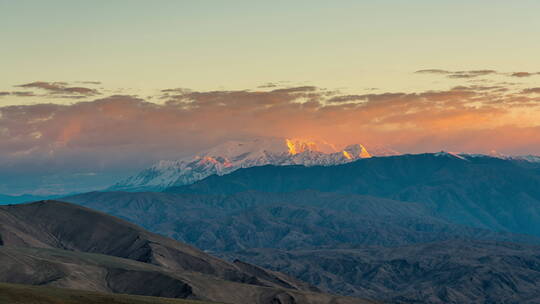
121 133
523 74
129 131
531 91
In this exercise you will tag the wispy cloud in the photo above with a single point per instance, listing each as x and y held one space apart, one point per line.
268 85
23 94
458 74
521 74
90 82
60 88
524 74
473 73
433 71
531 91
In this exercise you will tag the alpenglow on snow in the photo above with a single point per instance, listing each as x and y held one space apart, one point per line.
233 155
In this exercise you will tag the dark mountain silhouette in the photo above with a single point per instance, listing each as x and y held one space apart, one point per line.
481 191
76 247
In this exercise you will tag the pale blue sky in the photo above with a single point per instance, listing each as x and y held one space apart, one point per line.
239 44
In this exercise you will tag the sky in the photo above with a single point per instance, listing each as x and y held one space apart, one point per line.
92 91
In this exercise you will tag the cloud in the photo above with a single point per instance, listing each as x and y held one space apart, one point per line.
60 88
176 90
244 99
90 82
197 118
531 91
23 94
497 88
524 74
433 71
471 74
521 74
122 132
296 89
458 74
346 98
268 85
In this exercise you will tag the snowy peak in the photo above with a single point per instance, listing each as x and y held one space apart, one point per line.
233 155
356 151
528 158
297 146
491 154
450 154
523 158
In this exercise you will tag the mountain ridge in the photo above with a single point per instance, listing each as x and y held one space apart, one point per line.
232 155
484 192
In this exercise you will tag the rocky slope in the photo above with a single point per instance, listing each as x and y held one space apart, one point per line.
102 273
444 272
76 247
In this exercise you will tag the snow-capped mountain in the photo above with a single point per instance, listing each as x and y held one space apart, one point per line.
528 158
233 155
465 156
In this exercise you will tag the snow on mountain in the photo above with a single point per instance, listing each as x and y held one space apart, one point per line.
528 158
493 154
450 154
233 155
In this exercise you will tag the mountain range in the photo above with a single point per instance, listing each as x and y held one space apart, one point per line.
283 221
434 227
478 191
233 155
